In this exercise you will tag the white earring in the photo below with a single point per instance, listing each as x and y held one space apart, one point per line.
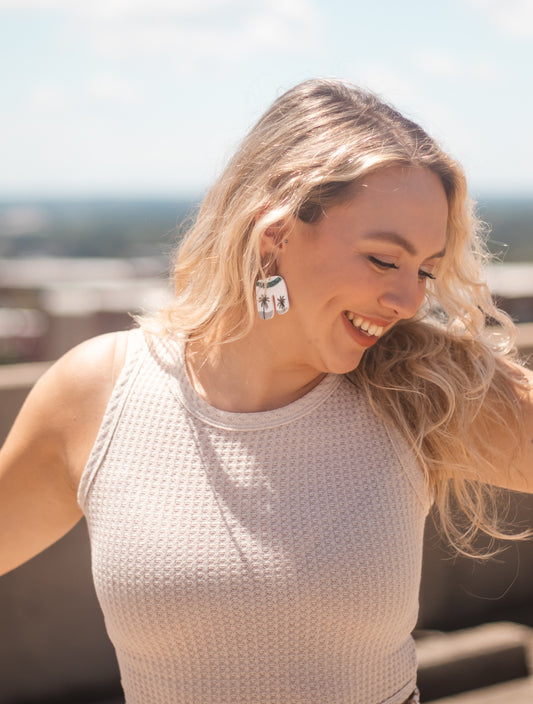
271 295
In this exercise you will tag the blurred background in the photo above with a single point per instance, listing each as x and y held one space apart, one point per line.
115 116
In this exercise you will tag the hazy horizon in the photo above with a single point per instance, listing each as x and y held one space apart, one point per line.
141 226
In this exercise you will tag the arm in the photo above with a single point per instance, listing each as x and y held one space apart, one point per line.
525 481
520 476
44 455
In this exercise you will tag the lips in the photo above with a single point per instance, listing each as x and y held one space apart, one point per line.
364 325
360 337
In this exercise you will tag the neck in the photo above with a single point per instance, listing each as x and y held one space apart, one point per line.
247 375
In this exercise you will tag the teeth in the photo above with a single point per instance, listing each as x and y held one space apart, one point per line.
371 329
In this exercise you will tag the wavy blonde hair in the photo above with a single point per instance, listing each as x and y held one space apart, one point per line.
442 377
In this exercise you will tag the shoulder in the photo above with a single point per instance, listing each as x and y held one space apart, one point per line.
92 366
99 359
43 456
72 396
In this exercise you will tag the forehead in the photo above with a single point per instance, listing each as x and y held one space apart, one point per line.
408 201
395 182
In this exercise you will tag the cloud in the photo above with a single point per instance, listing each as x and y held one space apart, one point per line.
512 17
225 28
111 87
104 8
444 65
208 28
47 97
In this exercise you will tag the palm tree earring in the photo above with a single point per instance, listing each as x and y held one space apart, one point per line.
271 295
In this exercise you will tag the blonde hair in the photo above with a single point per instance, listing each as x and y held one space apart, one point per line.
440 377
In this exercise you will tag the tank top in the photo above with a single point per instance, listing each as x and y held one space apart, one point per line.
253 558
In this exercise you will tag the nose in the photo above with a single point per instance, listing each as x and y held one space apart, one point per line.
403 300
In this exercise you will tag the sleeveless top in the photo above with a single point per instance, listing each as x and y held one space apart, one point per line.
253 558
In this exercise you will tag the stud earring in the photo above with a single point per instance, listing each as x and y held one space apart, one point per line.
272 296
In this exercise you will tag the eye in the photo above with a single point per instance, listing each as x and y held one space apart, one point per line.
381 264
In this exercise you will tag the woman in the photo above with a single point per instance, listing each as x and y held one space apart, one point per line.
256 466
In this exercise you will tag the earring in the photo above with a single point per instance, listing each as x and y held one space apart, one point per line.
271 294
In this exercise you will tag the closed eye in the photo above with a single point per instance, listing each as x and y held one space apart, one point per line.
381 264
422 275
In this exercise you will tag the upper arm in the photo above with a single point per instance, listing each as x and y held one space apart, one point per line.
517 474
44 455
525 469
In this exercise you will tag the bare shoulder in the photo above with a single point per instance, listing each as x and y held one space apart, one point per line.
61 416
98 360
75 391
43 457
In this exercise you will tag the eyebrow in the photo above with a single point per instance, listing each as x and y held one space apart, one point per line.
402 242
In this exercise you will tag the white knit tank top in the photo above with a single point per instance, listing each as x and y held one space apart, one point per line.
253 558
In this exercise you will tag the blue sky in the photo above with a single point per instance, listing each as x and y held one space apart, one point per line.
150 97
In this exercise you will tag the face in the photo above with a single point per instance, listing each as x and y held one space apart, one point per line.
358 271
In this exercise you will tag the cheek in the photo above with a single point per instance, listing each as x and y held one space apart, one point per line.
422 296
328 281
313 285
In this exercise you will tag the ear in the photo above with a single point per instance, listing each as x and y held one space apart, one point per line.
273 239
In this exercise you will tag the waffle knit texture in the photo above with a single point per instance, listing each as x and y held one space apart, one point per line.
253 558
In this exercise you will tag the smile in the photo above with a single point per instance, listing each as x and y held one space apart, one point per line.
365 326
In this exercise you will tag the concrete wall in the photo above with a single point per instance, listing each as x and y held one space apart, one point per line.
53 645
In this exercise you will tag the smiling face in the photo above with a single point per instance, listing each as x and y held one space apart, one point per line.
360 269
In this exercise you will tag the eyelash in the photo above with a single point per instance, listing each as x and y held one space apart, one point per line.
389 265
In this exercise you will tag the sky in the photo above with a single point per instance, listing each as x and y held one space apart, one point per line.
149 98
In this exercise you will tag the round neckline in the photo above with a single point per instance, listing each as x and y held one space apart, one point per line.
256 420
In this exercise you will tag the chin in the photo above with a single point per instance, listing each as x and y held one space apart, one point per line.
343 366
